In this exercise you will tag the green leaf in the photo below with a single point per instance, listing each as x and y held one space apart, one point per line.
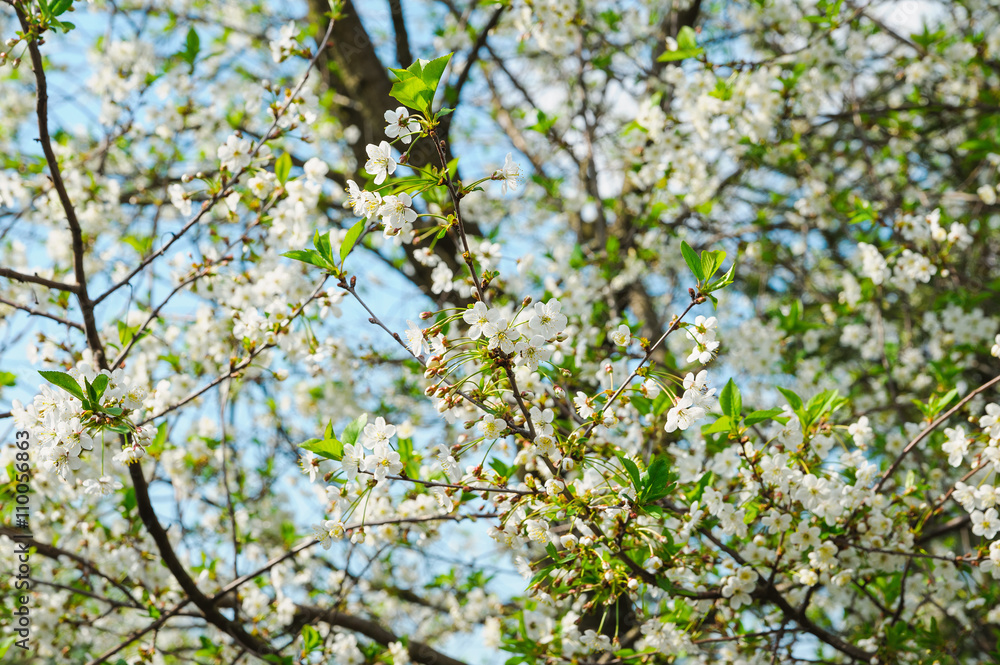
6 643
64 381
192 44
731 401
311 639
100 385
692 260
352 431
7 379
328 448
407 457
642 404
632 469
710 262
279 660
687 39
659 481
61 6
680 54
321 241
352 236
160 439
501 468
282 167
760 416
723 424
661 403
723 281
433 71
416 85
699 489
794 400
309 256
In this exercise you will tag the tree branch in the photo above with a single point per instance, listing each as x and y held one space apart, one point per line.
419 651
403 55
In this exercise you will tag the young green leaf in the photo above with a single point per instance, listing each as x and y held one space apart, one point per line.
321 241
632 469
687 39
731 401
659 481
64 381
309 256
282 167
100 385
353 430
311 639
61 6
352 236
328 448
794 400
693 262
760 416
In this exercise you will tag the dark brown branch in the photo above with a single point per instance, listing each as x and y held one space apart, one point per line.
35 279
42 112
403 55
455 94
38 312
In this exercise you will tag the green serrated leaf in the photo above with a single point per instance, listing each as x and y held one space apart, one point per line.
64 381
321 241
659 481
416 85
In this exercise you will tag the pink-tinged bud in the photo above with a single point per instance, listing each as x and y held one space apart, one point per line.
526 301
426 315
